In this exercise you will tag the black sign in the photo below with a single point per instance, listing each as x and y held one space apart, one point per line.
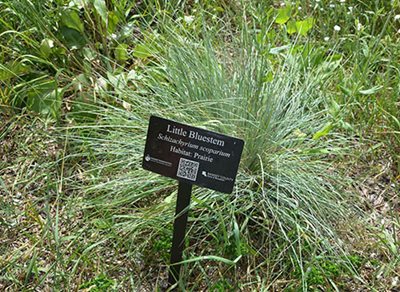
192 155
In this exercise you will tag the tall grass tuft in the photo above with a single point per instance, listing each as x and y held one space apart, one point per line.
288 195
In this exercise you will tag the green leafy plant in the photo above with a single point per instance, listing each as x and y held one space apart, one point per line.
100 283
287 14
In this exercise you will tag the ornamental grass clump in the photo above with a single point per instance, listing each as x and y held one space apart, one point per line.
288 196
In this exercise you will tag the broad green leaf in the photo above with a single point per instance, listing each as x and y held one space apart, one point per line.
371 90
45 98
101 8
70 19
11 70
324 131
283 14
142 51
80 82
45 47
304 26
6 73
118 81
89 54
291 27
112 21
121 52
73 39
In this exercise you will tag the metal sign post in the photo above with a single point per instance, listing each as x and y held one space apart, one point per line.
193 156
178 239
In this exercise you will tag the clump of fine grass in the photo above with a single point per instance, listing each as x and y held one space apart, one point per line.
288 196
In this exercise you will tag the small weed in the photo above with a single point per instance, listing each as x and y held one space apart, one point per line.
162 245
223 285
315 277
99 284
323 271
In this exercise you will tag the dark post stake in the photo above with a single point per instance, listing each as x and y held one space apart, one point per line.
178 239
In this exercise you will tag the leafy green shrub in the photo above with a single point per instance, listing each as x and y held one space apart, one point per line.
50 46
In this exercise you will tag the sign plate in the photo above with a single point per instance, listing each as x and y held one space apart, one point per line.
192 155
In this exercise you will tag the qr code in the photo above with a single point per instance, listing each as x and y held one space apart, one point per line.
187 169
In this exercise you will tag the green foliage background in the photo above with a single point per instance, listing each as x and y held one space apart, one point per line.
311 86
